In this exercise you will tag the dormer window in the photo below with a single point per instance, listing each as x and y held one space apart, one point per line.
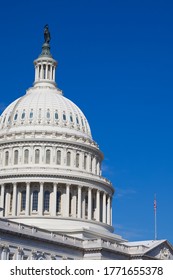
82 122
77 120
23 115
64 117
71 118
48 114
56 115
16 116
31 115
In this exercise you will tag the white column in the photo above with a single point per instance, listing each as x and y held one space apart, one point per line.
46 76
41 193
104 207
109 211
54 199
67 200
79 212
51 72
4 254
98 206
41 74
27 212
14 205
6 203
2 199
19 254
54 73
89 203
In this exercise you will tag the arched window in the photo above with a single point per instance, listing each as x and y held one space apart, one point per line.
47 156
15 116
37 156
31 114
23 200
56 115
77 120
48 114
68 158
91 164
26 156
35 201
16 156
46 200
77 160
58 160
6 157
71 118
85 161
58 202
64 116
23 115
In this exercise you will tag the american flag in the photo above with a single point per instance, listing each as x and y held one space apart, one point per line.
155 204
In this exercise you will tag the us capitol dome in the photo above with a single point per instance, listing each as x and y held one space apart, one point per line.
50 166
54 202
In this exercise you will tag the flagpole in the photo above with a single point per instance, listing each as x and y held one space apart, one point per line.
155 218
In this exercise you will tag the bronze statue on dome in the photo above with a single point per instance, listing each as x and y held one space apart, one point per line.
46 34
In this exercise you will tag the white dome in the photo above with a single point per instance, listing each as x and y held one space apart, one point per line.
44 109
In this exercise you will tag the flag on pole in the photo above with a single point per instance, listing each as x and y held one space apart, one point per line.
155 204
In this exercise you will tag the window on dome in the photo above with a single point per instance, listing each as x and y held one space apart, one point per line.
85 161
64 117
82 122
23 200
16 156
48 114
56 115
58 202
15 117
71 118
91 164
77 160
26 156
58 160
35 201
23 115
6 157
68 158
46 200
37 156
48 156
31 115
4 119
77 120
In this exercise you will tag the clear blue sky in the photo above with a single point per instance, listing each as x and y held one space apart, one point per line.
116 63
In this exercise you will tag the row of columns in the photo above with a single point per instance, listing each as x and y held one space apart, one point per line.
76 206
44 71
